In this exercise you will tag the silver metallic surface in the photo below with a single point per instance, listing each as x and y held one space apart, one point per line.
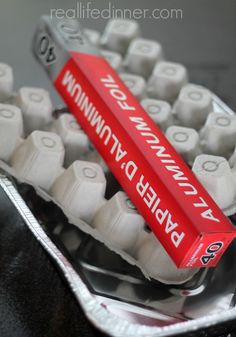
54 39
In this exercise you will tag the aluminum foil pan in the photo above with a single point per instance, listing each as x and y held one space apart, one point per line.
114 295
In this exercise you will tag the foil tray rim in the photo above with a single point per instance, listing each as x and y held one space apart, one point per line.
96 313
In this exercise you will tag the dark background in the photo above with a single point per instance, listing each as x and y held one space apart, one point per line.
204 40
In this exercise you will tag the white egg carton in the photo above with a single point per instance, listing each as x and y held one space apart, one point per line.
79 189
195 121
55 157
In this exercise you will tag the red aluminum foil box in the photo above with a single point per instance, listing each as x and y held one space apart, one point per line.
185 219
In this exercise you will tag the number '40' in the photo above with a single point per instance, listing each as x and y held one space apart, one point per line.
46 49
211 252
